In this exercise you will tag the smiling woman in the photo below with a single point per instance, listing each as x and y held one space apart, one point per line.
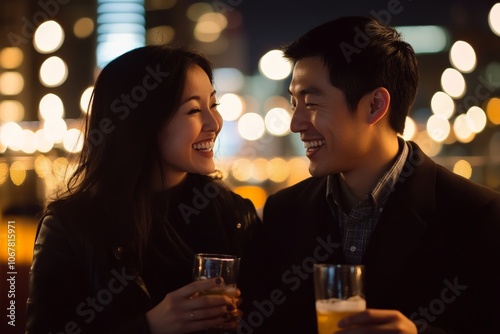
114 253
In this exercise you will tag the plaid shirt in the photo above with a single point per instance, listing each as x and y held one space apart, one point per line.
357 227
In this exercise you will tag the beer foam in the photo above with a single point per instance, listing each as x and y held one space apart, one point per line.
354 304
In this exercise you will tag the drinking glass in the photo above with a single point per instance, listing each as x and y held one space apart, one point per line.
218 265
339 293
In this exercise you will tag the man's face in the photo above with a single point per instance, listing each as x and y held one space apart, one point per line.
334 137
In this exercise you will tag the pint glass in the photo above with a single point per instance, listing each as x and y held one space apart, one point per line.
339 293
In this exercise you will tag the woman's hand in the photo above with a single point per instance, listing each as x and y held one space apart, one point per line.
186 310
377 321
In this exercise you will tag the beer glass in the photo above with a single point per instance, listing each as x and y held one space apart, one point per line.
218 265
339 293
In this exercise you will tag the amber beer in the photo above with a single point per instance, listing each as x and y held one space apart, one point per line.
228 290
339 293
330 311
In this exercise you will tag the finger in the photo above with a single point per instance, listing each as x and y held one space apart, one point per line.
197 286
223 311
368 317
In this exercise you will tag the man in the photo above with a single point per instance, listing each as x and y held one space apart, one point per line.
427 237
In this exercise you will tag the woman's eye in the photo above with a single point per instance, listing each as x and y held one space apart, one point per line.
194 111
215 105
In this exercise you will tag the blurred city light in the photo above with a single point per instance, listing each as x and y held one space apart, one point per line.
463 57
49 37
453 83
274 66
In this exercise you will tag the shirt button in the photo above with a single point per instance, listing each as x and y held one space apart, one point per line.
352 249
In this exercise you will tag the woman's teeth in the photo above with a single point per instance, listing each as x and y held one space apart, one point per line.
204 146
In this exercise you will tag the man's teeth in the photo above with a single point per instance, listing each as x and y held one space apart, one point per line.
204 146
314 143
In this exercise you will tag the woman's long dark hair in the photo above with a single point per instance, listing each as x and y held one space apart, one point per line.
134 96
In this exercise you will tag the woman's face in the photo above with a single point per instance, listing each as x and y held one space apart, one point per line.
186 142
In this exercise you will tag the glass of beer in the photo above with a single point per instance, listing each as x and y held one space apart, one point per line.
218 265
339 293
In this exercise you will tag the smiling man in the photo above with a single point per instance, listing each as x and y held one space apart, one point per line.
425 235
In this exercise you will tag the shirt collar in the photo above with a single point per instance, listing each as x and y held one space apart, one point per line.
384 186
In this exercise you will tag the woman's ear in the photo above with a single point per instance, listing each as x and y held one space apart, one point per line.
380 102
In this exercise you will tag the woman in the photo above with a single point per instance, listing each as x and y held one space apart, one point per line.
115 253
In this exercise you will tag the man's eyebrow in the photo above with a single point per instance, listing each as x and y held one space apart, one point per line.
308 91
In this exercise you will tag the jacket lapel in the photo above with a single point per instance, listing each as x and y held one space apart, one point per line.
402 224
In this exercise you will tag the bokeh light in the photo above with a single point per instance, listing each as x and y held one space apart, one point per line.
53 72
438 128
11 111
85 99
453 83
442 105
277 121
493 110
476 119
251 126
49 37
463 168
274 66
494 19
11 83
84 27
410 129
11 57
463 57
51 106
230 107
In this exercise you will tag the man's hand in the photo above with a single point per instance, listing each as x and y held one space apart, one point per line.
377 321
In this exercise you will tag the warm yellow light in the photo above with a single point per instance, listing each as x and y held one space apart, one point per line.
18 173
453 83
241 169
11 83
259 172
298 170
219 19
428 145
207 31
160 35
274 66
53 72
43 166
410 129
255 194
4 172
49 36
493 110
463 168
11 111
11 57
278 170
84 27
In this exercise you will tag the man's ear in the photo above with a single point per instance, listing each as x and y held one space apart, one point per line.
380 101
